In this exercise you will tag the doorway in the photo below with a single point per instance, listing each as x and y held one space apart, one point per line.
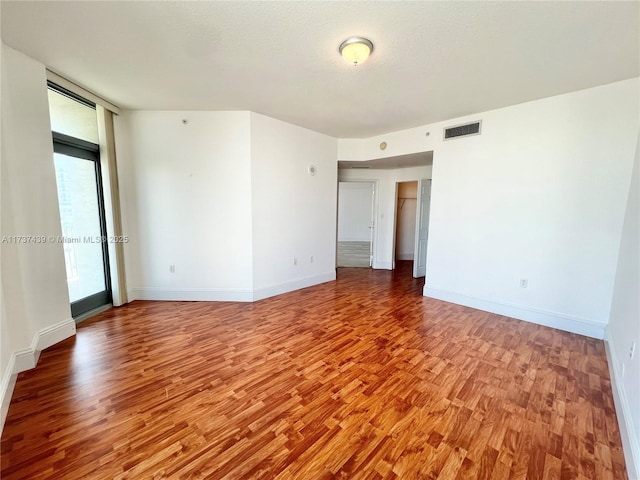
80 200
413 201
406 221
355 224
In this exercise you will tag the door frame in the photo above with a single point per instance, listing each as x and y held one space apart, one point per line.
419 207
395 219
75 147
374 236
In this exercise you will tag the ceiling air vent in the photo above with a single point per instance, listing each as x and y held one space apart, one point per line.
462 130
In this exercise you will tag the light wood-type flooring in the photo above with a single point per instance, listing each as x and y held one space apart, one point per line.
362 378
354 254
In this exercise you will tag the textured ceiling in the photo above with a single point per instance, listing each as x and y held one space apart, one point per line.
432 61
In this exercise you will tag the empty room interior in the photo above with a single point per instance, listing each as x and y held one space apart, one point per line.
312 240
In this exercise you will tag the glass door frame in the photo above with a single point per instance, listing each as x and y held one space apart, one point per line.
75 147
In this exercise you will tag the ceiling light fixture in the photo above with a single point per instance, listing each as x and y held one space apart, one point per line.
355 50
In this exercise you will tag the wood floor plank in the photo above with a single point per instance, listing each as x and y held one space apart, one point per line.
362 378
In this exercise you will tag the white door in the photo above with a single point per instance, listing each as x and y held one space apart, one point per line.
422 229
355 224
372 224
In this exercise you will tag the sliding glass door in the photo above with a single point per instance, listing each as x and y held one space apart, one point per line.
81 204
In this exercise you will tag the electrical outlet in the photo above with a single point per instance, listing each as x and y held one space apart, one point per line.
295 261
172 269
632 350
524 283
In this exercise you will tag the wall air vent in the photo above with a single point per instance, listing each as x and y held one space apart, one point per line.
462 130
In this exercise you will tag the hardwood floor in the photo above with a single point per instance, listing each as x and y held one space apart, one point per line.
362 378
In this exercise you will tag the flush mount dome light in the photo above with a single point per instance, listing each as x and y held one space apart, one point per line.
355 50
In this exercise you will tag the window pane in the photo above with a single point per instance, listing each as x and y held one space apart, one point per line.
72 118
79 215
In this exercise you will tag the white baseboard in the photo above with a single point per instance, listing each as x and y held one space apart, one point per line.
7 385
404 256
227 295
292 285
24 359
27 358
630 440
191 294
560 321
53 334
383 265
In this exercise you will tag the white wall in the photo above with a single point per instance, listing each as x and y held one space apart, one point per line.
540 194
383 245
186 201
355 210
35 311
624 326
294 213
226 199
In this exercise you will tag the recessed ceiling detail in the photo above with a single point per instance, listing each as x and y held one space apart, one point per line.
419 159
